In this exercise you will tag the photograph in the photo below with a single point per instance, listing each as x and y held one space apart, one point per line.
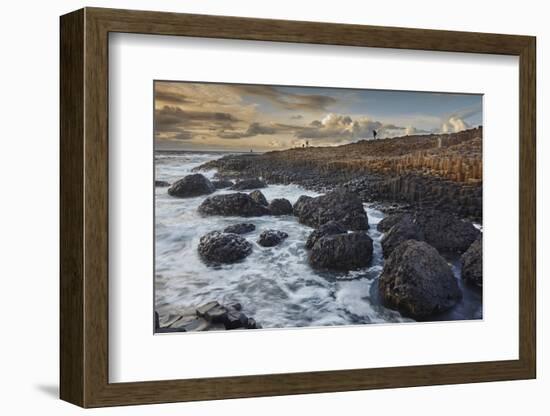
280 207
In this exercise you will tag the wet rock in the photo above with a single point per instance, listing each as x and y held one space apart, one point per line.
254 183
237 204
210 316
270 238
236 306
280 206
342 252
405 229
203 309
216 315
156 318
329 228
242 228
230 316
299 207
417 281
166 330
235 320
425 191
252 324
168 319
472 266
259 197
382 178
445 232
196 324
222 183
388 222
191 186
167 323
161 184
216 247
338 205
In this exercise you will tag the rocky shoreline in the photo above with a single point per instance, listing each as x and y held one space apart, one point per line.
416 280
440 172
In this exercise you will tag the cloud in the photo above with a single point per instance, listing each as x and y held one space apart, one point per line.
338 128
457 121
256 129
287 100
170 115
183 135
173 123
454 124
333 128
170 97
268 117
411 130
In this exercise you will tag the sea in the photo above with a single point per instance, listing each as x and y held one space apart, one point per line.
274 285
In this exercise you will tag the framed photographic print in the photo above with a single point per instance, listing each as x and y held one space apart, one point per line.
261 207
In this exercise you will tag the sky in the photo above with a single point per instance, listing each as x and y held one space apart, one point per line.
244 117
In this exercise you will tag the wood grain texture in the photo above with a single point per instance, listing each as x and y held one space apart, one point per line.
85 219
527 207
71 208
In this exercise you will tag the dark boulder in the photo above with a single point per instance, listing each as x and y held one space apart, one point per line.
270 238
385 225
190 186
280 206
242 228
446 232
254 183
237 204
405 229
417 281
161 184
216 247
329 228
338 205
300 205
222 183
441 230
342 252
259 197
472 265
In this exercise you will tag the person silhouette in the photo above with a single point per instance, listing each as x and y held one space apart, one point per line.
374 134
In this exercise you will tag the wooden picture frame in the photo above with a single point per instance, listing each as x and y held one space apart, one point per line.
84 207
